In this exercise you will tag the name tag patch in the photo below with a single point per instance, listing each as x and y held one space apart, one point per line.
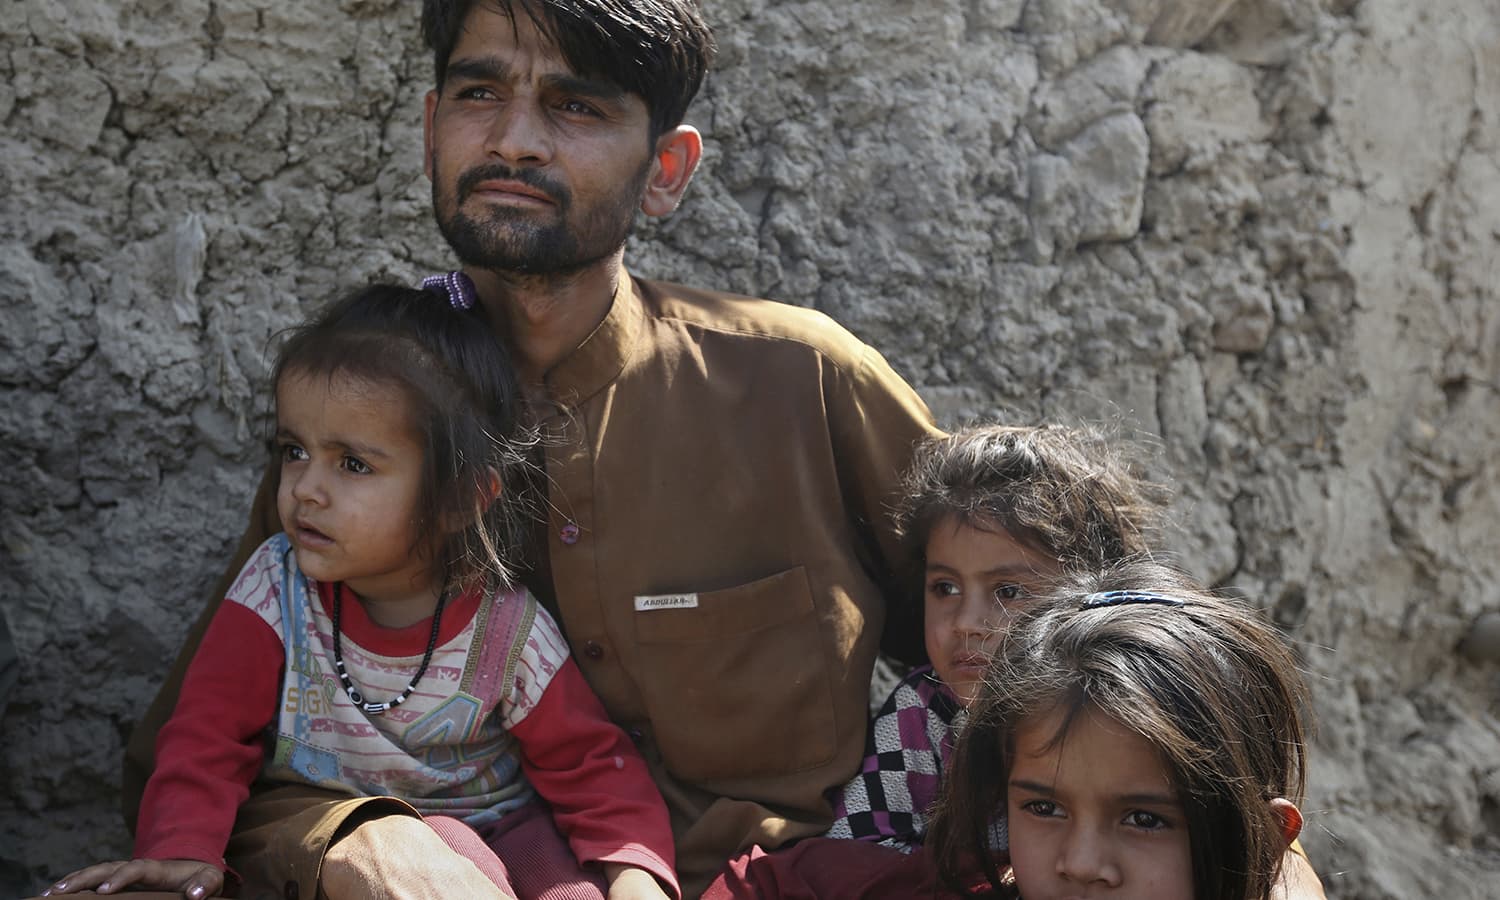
666 601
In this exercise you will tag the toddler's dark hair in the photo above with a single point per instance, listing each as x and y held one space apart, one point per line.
465 403
1210 684
1066 491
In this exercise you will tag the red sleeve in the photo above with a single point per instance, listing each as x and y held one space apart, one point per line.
211 749
597 783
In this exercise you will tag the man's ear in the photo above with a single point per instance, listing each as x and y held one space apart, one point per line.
677 155
429 109
1290 816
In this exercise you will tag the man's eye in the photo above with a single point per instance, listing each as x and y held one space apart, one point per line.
1009 592
356 466
577 108
474 92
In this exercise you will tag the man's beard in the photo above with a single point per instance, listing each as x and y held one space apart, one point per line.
508 240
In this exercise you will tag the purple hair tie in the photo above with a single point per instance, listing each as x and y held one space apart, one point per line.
1121 598
456 286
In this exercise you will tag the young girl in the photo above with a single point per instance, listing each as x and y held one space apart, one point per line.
379 646
993 514
1143 738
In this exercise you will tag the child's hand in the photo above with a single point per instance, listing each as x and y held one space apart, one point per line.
630 883
196 880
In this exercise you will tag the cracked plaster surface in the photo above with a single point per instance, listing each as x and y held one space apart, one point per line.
1260 236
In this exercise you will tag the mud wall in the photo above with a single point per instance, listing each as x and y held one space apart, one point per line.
1261 235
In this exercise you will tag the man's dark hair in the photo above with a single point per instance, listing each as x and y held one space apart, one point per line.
656 49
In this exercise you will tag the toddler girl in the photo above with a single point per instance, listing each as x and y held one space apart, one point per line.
993 514
1142 737
379 645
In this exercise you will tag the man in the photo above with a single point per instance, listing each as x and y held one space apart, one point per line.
716 545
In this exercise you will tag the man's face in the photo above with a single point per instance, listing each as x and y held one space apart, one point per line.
534 168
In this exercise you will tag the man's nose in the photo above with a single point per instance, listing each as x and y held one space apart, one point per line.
521 134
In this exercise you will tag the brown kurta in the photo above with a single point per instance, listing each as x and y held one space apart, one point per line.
718 541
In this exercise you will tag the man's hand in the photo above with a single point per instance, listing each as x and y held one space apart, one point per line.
195 880
399 858
630 883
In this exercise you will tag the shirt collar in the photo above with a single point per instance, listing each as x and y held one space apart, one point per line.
603 354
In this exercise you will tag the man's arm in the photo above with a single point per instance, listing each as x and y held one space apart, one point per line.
877 419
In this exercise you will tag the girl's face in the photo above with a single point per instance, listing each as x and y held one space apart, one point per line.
1094 814
351 477
976 579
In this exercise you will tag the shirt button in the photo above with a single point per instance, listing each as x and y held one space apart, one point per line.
569 533
593 650
635 735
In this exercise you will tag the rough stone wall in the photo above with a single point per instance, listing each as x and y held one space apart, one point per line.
1259 234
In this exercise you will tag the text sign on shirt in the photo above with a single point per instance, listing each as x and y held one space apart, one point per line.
666 601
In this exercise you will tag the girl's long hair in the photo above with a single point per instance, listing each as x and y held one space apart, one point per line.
1209 683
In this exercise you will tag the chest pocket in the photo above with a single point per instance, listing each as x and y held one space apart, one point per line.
739 685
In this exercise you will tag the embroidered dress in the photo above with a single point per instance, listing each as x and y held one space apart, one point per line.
445 750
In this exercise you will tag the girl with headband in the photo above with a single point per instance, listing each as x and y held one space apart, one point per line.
1143 739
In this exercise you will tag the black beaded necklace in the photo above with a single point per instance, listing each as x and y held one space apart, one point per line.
376 709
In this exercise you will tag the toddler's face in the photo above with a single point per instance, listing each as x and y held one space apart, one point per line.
351 482
977 578
1094 814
